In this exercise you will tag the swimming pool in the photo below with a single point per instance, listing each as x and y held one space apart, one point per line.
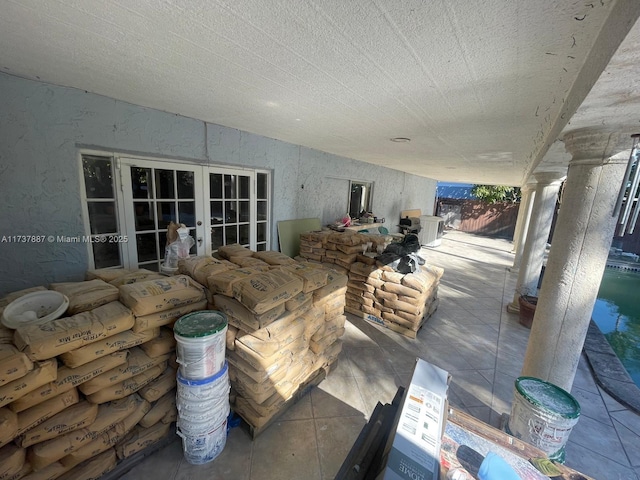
617 314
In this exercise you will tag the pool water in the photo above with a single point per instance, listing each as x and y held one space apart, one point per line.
617 314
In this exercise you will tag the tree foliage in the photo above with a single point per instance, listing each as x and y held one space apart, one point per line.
496 193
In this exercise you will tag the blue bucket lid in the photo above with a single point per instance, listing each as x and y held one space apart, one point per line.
204 381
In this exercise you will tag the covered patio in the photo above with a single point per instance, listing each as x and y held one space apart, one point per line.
471 335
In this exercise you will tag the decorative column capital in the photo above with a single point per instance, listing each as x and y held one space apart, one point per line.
545 179
598 147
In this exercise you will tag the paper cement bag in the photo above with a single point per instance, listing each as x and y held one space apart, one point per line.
71 418
267 290
11 460
85 296
248 320
108 438
159 409
13 363
42 374
312 277
110 416
8 426
140 438
59 336
127 387
160 386
223 282
67 379
34 416
137 362
93 468
166 317
120 341
161 345
154 296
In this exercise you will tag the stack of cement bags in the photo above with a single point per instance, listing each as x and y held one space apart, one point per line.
340 249
285 321
284 333
400 302
99 382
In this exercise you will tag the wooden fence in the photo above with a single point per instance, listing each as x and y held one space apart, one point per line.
475 216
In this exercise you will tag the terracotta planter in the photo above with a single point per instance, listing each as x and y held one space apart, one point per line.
527 309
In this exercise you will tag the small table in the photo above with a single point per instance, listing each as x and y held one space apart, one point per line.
364 226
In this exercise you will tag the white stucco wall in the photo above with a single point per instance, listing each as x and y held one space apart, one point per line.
42 127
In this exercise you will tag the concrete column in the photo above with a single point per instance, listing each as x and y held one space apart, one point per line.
578 255
527 194
544 203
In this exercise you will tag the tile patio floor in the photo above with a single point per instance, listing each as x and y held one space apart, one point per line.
471 335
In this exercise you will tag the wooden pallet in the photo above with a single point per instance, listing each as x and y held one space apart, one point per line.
407 332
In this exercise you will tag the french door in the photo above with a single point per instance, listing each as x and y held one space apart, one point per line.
218 205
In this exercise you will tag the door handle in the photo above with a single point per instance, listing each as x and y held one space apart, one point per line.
199 240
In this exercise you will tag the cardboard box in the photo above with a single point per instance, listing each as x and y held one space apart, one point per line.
414 449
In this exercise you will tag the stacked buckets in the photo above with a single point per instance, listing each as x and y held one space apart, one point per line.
202 396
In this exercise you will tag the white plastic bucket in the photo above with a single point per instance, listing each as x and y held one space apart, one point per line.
204 401
201 342
168 270
203 408
543 415
202 448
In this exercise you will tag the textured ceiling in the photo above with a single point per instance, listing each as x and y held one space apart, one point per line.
482 91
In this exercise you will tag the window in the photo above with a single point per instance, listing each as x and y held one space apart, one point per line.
360 195
101 210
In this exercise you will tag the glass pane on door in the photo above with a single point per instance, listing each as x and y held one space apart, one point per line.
159 195
230 209
219 205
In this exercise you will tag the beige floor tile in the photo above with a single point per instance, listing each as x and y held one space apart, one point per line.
369 361
337 397
286 450
598 437
596 465
477 356
163 464
301 410
627 424
401 360
472 388
377 388
591 405
336 436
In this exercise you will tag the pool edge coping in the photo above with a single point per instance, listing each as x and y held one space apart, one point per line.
608 370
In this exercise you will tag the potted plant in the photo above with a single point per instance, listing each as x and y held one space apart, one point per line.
527 309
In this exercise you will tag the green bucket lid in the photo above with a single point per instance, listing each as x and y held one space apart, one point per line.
200 324
548 397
